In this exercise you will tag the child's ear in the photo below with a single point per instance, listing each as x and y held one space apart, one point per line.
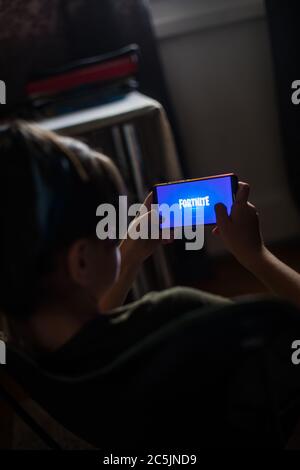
78 262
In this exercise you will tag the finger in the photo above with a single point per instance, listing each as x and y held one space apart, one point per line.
242 194
251 206
172 236
154 221
215 231
253 209
222 216
149 201
146 204
168 242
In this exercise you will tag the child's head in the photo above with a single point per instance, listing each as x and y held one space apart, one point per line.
50 189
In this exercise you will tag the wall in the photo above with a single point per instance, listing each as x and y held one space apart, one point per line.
218 65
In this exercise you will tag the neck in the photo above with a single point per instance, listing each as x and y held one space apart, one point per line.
51 327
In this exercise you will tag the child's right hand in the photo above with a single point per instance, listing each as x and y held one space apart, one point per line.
240 231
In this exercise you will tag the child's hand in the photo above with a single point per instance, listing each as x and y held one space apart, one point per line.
137 251
133 254
240 231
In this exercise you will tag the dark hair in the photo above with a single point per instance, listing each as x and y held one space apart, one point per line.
50 189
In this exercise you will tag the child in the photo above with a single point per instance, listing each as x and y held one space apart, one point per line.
62 291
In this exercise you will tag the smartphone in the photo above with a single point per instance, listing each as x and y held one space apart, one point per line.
190 194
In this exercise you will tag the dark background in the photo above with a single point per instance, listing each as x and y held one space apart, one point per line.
284 17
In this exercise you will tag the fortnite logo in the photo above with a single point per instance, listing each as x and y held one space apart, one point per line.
2 92
2 353
194 202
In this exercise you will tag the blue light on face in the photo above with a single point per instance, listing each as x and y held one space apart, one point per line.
188 195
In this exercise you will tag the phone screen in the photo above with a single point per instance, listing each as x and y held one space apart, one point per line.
191 194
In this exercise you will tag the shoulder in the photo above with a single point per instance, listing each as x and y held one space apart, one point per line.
167 305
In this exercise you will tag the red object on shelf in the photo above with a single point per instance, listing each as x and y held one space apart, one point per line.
110 70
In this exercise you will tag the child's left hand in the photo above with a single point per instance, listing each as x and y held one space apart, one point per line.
137 251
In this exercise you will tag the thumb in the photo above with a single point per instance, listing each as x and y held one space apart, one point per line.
221 216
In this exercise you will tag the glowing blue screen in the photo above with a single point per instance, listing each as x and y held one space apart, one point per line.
192 194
